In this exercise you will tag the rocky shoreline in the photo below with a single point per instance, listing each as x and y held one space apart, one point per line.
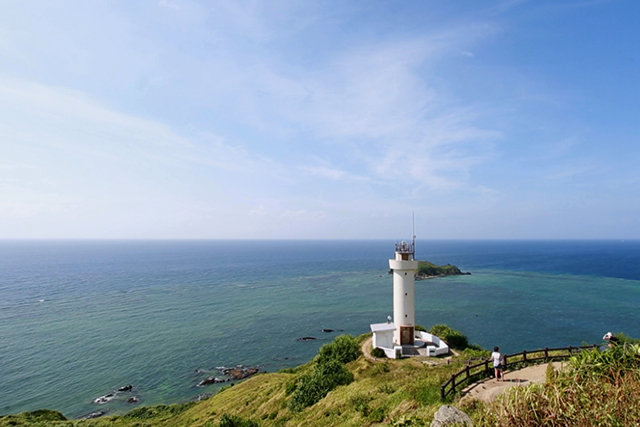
225 375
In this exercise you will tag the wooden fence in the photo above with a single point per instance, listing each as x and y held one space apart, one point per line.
471 373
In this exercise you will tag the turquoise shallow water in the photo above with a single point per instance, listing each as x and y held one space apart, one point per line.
80 319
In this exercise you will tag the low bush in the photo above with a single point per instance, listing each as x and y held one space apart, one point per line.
146 412
311 388
234 421
378 352
452 337
329 372
344 349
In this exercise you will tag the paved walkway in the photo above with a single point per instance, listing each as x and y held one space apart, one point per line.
488 389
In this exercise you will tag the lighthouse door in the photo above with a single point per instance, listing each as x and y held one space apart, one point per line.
406 335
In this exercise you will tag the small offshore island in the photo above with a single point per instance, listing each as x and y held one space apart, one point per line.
429 270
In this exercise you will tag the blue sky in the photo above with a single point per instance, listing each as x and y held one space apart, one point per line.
319 119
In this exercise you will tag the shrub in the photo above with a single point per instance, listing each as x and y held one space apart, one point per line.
234 421
329 373
334 372
378 414
420 328
452 337
344 348
310 389
146 412
550 373
361 404
40 415
378 352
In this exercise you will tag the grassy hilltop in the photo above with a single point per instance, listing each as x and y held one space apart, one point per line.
342 387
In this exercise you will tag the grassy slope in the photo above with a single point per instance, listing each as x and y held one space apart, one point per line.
597 389
382 392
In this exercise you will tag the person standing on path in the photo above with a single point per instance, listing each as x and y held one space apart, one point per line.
496 357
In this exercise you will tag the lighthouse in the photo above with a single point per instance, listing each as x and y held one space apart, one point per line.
398 337
404 267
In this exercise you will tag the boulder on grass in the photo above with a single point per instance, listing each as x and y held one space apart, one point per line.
449 415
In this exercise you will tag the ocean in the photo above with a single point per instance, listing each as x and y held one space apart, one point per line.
79 319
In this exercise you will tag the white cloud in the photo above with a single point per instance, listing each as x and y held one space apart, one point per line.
261 211
331 173
170 5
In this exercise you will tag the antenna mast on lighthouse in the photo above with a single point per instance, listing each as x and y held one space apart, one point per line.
413 241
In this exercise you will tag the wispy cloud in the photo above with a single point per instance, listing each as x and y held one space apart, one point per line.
331 173
170 5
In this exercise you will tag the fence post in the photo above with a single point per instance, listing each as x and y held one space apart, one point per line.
505 361
569 348
524 355
442 395
546 352
453 383
467 372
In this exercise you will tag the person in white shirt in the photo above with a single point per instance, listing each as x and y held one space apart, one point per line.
496 357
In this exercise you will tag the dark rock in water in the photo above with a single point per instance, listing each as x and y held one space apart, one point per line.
211 380
203 396
133 399
104 399
96 414
307 339
126 388
241 373
327 330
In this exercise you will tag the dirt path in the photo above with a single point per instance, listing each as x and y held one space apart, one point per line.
488 389
366 349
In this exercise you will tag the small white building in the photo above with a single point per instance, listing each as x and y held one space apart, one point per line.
399 338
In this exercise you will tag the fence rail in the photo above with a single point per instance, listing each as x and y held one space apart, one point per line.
472 372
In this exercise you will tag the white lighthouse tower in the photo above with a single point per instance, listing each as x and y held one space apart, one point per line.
404 268
399 338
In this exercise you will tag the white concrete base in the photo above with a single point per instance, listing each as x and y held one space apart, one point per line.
426 345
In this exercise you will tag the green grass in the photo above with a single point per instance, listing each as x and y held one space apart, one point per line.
595 389
598 388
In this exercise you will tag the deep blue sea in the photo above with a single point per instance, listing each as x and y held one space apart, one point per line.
78 319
